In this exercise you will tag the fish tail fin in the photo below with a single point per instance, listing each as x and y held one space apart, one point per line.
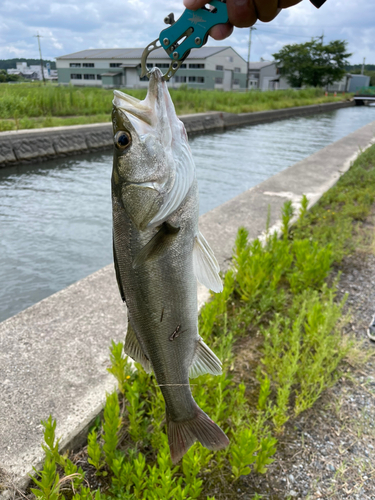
182 435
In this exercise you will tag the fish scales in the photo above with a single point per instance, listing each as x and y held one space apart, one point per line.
159 254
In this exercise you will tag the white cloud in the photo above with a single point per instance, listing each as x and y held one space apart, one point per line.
71 26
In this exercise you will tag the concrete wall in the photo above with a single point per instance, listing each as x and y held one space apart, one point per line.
26 146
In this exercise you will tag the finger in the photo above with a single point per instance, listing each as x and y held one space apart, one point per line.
284 4
221 31
266 10
195 4
241 13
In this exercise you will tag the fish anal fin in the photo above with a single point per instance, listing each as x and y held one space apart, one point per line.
133 349
204 361
182 435
206 267
157 244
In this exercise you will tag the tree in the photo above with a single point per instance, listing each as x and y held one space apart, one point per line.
312 63
4 77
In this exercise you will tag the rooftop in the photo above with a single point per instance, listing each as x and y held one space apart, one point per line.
201 53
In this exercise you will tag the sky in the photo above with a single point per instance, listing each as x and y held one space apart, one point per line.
70 26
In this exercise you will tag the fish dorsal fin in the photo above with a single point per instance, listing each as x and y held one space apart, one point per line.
157 244
206 267
133 349
204 361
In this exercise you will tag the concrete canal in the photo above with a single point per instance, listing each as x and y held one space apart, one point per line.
55 217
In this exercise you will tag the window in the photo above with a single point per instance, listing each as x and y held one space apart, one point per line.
219 68
180 79
229 58
162 65
236 81
88 65
89 77
196 66
75 76
196 79
150 65
75 65
183 66
98 77
237 70
218 80
114 65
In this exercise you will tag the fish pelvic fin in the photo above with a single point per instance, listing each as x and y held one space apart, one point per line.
133 349
204 361
206 267
182 435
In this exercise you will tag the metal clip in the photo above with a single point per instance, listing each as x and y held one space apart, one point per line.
189 32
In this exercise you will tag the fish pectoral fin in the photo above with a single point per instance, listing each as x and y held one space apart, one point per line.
204 361
182 435
157 244
206 267
133 349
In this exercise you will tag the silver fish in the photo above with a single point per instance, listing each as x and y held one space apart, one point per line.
158 254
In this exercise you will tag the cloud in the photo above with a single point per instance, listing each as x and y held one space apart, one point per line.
71 26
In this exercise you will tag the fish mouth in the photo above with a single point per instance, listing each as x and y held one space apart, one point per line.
142 113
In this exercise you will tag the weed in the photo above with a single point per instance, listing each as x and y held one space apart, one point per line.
32 105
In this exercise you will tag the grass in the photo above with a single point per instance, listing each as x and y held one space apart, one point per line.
33 106
279 299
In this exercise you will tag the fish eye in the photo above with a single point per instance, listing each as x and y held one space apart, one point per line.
122 139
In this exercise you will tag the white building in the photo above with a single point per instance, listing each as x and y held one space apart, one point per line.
205 68
33 72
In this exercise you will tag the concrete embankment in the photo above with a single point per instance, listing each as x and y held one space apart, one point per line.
53 355
28 146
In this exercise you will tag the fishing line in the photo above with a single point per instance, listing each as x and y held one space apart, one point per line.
175 385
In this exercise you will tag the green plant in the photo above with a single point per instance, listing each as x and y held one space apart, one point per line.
111 427
278 289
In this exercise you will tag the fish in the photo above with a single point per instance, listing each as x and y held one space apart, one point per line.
159 254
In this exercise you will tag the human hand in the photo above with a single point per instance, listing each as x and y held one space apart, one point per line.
243 13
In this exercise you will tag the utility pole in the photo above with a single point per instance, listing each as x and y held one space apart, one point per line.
363 66
321 38
248 59
41 60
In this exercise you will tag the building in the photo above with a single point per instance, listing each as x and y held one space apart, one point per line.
350 83
205 68
33 72
265 75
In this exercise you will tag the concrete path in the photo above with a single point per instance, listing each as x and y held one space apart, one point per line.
53 356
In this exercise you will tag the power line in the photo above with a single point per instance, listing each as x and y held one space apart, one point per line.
284 34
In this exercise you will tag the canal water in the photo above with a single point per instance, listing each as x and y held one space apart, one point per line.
55 217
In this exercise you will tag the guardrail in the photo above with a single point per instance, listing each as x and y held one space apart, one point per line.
366 91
